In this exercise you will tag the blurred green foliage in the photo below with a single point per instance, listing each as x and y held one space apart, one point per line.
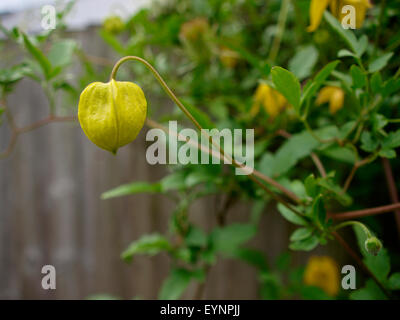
214 54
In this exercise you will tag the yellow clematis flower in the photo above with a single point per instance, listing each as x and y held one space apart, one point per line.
333 95
322 272
270 99
317 8
112 114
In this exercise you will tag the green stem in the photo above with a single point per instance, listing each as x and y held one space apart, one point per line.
211 140
353 223
280 30
313 134
380 22
397 74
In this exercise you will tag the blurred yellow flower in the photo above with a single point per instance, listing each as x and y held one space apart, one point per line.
228 57
317 8
192 30
322 272
270 99
333 95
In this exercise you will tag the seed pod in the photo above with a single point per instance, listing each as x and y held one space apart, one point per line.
112 114
373 245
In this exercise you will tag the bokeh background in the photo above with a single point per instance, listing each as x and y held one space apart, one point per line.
50 187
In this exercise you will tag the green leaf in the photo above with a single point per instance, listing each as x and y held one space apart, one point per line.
202 118
345 53
176 283
288 85
38 55
61 52
394 281
347 35
335 191
132 188
252 257
358 76
318 210
311 186
230 238
391 86
283 261
371 291
113 42
379 121
368 143
303 62
313 86
174 181
392 140
14 74
380 63
150 244
314 293
200 176
291 216
326 71
271 285
362 45
387 153
195 237
376 83
297 147
343 154
300 234
307 244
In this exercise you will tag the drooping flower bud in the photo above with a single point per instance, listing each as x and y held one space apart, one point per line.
373 245
112 114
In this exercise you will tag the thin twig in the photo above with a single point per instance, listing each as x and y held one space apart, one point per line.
353 171
15 131
364 213
153 124
394 197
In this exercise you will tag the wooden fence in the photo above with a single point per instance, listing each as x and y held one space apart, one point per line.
51 213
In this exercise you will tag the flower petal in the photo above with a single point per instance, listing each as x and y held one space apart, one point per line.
317 8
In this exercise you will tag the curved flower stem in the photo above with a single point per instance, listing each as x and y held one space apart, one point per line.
354 223
169 92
